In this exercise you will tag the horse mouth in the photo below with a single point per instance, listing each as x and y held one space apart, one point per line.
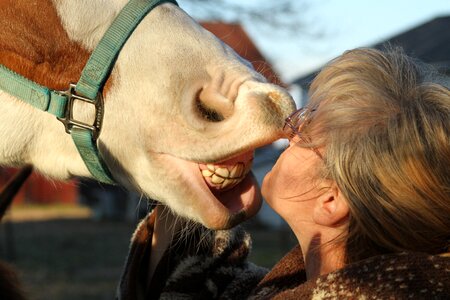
234 186
218 195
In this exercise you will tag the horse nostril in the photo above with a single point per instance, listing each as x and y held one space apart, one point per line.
212 105
206 112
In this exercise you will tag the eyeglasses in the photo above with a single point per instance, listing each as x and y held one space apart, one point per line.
295 123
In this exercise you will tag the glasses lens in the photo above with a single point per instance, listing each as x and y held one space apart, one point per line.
295 121
294 124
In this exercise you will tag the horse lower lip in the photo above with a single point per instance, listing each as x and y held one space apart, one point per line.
244 199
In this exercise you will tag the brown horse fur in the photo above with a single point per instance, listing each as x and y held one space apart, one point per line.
36 47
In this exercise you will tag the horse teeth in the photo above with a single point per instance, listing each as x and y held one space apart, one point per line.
223 177
222 172
236 172
227 183
247 169
233 172
217 179
239 170
207 173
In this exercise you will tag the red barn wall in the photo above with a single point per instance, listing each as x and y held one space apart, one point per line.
38 189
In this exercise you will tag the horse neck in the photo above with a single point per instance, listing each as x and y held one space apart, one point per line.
37 42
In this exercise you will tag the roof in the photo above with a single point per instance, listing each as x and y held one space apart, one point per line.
235 36
429 42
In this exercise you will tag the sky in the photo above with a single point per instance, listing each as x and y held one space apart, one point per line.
345 24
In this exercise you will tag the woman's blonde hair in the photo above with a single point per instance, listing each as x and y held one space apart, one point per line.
384 125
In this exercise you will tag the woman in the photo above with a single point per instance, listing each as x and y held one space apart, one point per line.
364 185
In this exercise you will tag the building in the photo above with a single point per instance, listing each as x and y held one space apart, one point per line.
235 36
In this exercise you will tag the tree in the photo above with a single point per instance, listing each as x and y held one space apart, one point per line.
283 16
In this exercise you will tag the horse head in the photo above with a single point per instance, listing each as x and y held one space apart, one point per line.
182 111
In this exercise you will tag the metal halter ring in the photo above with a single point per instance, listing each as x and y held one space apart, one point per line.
68 120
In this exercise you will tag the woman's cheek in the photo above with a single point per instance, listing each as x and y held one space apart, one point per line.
270 186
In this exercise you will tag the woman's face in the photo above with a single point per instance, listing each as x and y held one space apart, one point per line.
291 186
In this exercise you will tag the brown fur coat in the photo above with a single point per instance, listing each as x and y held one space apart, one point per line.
10 287
217 268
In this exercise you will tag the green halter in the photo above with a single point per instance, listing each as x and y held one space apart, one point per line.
88 89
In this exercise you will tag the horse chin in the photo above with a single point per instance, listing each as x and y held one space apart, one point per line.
242 201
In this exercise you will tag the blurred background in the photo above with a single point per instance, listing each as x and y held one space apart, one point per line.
69 240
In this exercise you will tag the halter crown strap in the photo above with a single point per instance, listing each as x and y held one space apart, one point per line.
104 56
88 88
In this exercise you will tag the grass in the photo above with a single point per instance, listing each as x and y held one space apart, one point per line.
73 257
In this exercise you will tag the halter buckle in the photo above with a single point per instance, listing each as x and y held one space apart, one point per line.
68 120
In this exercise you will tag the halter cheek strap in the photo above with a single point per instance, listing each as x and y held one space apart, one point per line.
88 89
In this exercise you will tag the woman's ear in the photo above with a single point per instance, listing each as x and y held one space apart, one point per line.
331 208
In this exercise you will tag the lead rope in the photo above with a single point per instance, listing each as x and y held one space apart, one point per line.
12 187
